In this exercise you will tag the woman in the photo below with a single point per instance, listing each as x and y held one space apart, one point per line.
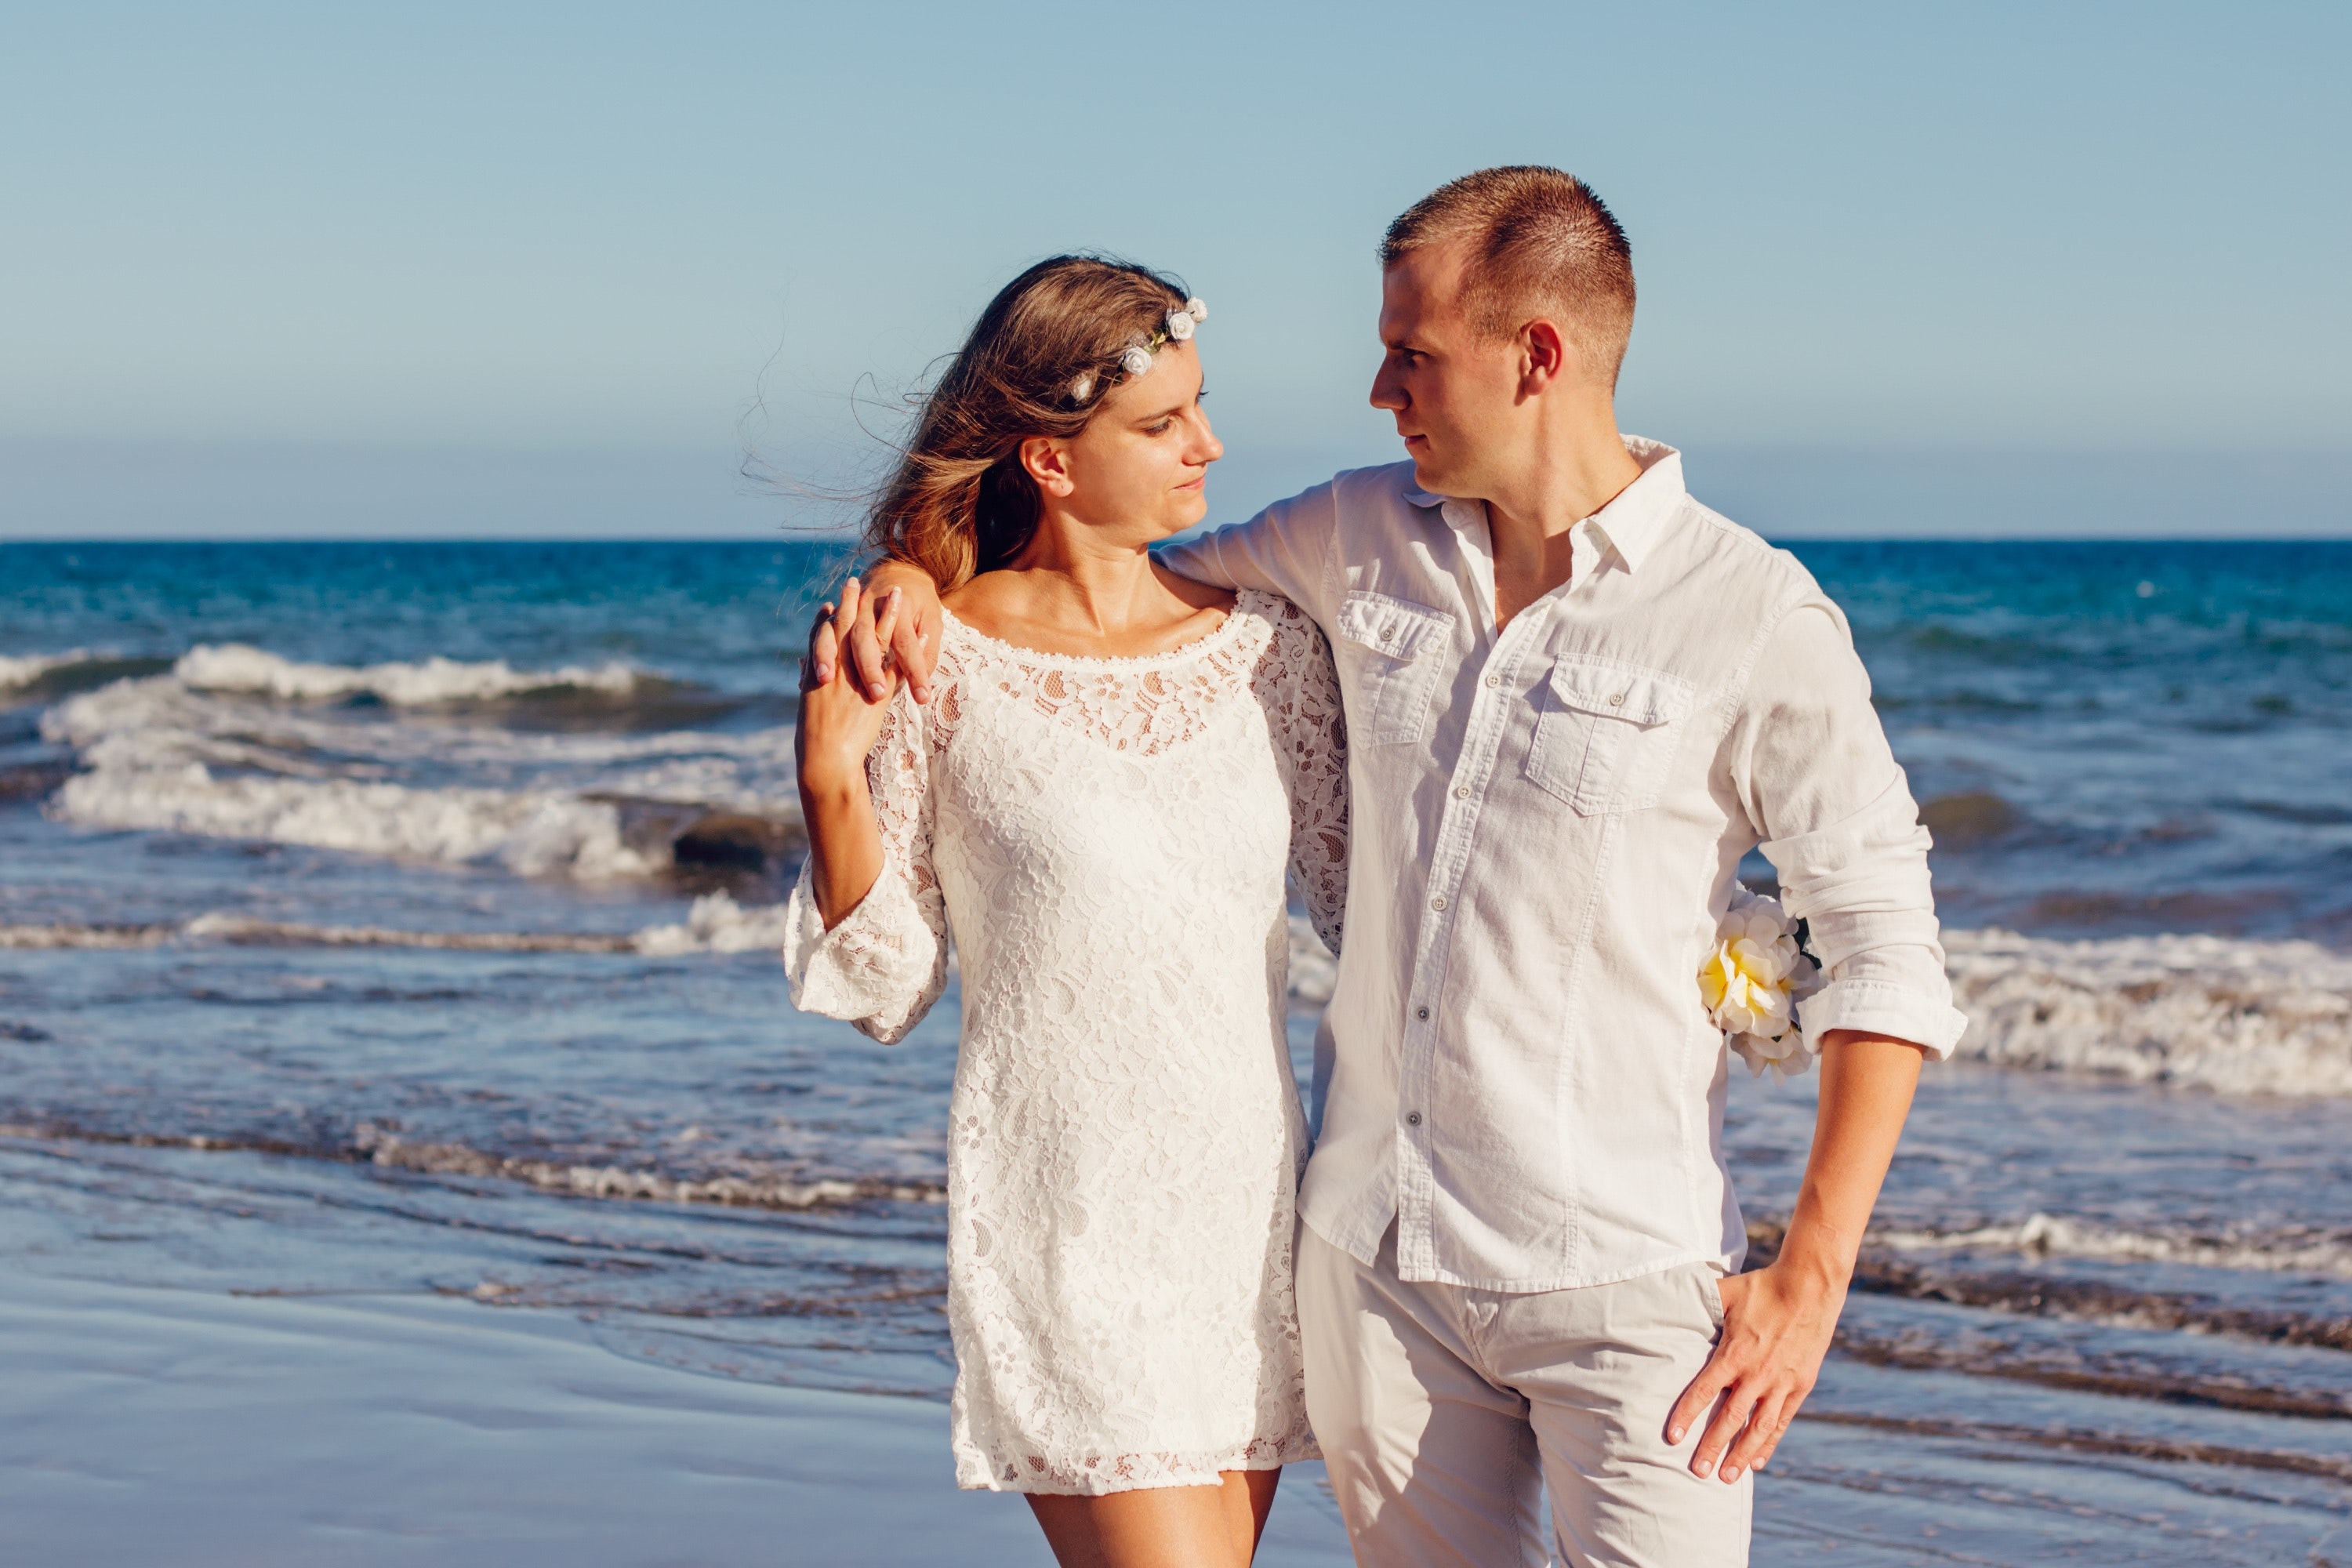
1099 801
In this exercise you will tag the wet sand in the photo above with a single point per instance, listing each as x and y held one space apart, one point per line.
142 1425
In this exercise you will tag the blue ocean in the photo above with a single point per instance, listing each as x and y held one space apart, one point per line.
401 918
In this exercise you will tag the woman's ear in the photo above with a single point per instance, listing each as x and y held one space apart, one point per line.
1043 457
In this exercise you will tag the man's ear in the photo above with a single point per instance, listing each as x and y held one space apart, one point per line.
1044 459
1549 357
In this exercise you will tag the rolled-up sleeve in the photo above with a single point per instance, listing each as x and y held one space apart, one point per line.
1810 764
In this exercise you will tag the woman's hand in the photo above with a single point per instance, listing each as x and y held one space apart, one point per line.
838 726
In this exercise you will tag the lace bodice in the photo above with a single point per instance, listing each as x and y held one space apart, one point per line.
1266 654
1108 840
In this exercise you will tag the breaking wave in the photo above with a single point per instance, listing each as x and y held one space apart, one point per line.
234 666
2242 1017
714 923
25 669
373 1145
185 753
532 831
383 1148
26 678
2055 1235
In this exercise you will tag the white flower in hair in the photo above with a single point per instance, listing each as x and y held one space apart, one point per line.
1197 310
1082 388
1751 981
1179 325
1136 360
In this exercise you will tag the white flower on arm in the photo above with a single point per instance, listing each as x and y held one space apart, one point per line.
1751 981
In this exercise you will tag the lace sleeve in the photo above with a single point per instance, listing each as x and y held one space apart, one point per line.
883 966
1312 733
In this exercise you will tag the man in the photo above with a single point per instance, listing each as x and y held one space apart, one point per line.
1576 699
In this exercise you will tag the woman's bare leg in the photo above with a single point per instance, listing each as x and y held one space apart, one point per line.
1248 1497
1161 1527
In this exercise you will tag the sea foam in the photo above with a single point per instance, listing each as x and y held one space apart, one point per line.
2244 1018
24 669
160 754
2061 1236
235 667
717 923
532 832
714 923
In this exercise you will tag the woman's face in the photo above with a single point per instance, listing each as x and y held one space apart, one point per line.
1140 464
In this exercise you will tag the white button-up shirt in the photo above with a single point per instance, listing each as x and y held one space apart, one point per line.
1516 1067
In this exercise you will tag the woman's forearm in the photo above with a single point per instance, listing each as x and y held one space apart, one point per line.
844 845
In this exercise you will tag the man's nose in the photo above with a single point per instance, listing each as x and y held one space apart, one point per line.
1386 393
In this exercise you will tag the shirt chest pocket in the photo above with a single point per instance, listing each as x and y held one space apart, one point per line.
1606 732
1398 648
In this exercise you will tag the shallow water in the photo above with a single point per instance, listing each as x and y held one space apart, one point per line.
328 968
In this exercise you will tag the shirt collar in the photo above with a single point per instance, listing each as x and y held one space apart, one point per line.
1632 522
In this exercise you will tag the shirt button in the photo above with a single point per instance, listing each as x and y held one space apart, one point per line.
1494 680
1438 902
1421 1013
1412 1119
1618 700
1461 791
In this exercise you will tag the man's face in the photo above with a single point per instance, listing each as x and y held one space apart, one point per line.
1457 394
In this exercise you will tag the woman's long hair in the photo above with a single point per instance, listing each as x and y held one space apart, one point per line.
1037 362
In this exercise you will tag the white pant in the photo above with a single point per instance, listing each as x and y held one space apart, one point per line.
1444 1412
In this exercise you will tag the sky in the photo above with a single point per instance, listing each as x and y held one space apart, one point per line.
522 267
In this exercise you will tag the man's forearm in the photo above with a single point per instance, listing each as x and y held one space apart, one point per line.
1866 1087
1778 1322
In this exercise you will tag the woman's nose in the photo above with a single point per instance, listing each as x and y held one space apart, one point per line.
1208 448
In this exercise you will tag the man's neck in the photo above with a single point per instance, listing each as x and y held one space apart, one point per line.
1576 471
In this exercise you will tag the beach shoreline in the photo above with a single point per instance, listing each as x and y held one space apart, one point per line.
141 1423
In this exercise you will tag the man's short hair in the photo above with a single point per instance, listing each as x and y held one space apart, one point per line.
1540 244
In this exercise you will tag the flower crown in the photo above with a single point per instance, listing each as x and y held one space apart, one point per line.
1137 358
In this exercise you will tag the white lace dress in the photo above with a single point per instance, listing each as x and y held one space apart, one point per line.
1107 839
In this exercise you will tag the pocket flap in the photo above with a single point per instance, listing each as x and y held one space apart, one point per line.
1644 697
1391 626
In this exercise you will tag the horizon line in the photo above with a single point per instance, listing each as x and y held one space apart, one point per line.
374 540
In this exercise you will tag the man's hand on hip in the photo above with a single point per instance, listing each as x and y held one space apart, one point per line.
1778 1321
1777 1325
914 645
